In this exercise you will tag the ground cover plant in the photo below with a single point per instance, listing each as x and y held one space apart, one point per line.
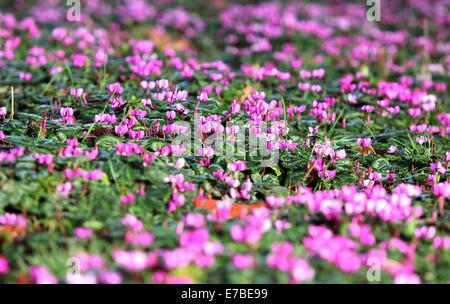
219 142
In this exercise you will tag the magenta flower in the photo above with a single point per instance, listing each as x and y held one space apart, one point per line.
142 238
65 188
442 189
241 261
42 276
421 140
132 222
392 150
4 265
138 113
300 270
110 277
237 166
203 97
128 148
3 112
133 261
147 85
77 92
121 129
136 134
83 233
105 118
441 242
425 232
128 199
79 60
25 76
194 220
364 142
12 219
171 115
207 152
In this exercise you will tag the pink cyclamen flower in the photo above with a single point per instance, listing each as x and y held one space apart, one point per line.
76 92
207 152
162 83
134 261
241 261
392 150
66 112
83 233
132 222
203 97
194 220
128 199
110 277
180 163
24 76
41 275
300 270
237 166
65 188
340 154
79 60
441 242
171 115
275 202
142 238
421 140
121 129
147 85
442 189
3 112
4 265
364 142
13 219
115 88
105 118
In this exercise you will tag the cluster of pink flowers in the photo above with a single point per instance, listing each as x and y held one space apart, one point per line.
282 258
322 110
136 235
67 115
195 245
12 219
42 275
246 30
128 148
108 119
45 159
442 190
12 155
179 18
254 227
373 201
95 174
336 249
179 185
74 150
237 189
